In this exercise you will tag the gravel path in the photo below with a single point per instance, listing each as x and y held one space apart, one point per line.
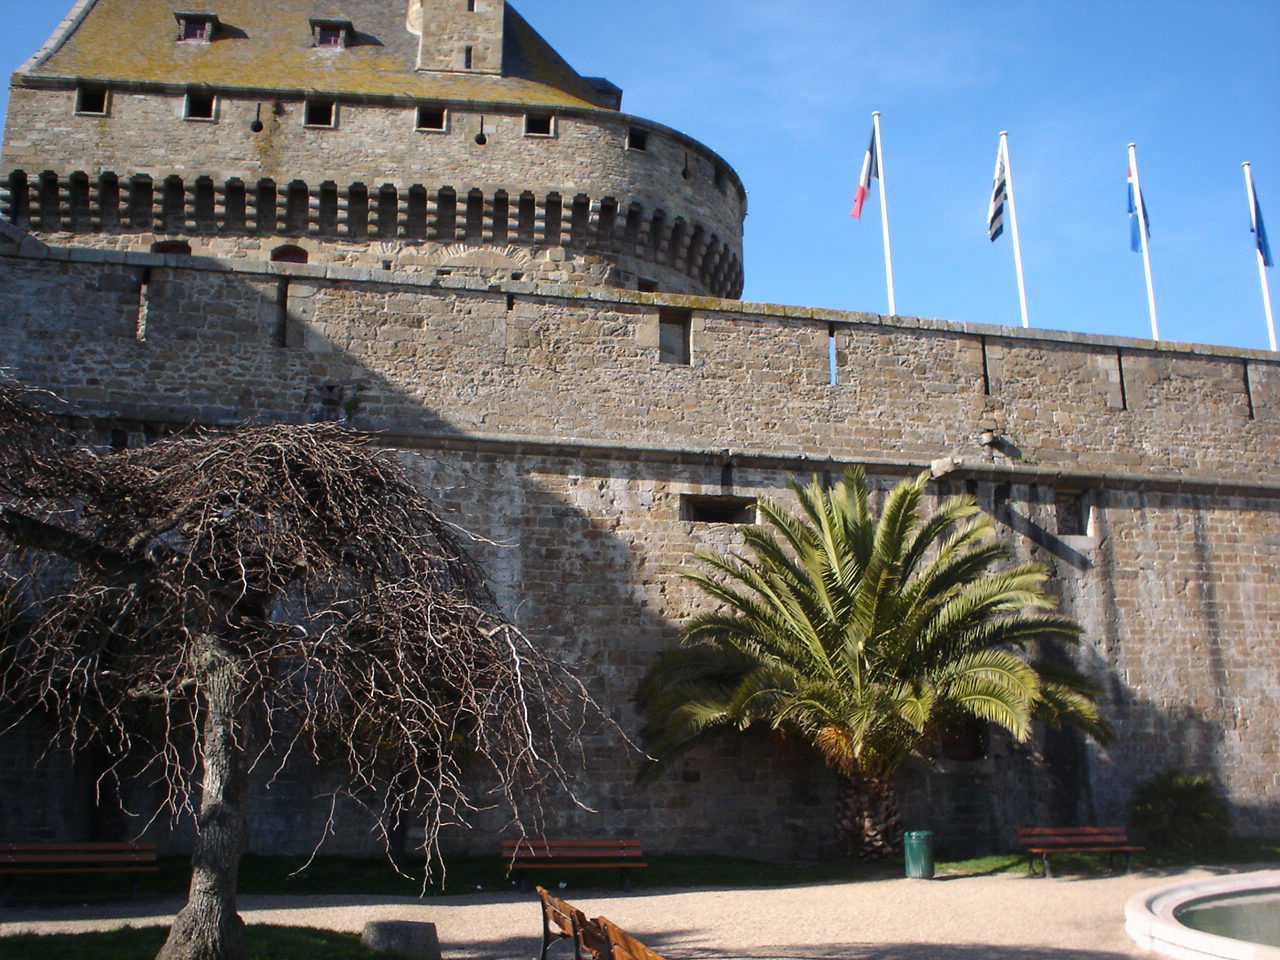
1004 917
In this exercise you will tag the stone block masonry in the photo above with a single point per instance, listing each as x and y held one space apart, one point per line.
554 422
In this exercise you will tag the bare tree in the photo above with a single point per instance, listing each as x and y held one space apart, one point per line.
258 595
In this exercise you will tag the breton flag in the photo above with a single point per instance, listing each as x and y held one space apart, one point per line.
999 194
870 171
1135 228
1264 248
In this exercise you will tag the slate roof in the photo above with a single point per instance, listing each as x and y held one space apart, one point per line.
266 45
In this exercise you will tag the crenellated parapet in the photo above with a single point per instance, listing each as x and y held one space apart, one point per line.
655 246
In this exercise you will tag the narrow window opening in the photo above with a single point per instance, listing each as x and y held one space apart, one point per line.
1072 510
539 125
283 324
719 177
321 113
608 224
144 305
91 101
986 370
468 57
673 336
432 119
471 6
1124 394
511 302
833 370
697 508
637 139
1248 389
201 106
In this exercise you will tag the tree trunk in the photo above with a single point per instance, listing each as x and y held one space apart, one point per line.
867 820
208 927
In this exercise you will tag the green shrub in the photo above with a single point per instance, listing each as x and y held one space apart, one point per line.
1180 811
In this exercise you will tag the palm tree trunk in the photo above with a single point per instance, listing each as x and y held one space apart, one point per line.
867 820
208 927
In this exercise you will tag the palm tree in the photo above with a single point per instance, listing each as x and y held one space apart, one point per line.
865 637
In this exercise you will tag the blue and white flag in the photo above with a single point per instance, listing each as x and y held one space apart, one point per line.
1135 223
999 194
1264 248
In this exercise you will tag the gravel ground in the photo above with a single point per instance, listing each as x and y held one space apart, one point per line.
1003 917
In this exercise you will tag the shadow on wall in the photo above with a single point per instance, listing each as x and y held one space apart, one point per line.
583 549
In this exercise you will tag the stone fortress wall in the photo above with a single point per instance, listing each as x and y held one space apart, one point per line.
586 432
484 309
637 202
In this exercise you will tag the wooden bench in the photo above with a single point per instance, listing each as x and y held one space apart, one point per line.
19 858
1042 841
528 854
599 939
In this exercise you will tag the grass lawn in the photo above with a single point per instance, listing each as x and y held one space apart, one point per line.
338 875
264 943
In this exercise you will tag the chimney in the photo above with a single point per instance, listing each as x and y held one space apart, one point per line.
461 36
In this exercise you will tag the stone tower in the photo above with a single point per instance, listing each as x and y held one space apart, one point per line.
441 136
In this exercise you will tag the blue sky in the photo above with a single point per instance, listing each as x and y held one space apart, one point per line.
784 91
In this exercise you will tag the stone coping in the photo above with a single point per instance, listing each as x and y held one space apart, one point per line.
737 309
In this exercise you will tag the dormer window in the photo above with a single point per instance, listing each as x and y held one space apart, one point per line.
196 27
332 34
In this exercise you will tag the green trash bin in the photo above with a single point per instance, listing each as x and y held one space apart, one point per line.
918 847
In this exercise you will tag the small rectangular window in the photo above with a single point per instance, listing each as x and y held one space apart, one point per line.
696 508
637 139
195 28
321 113
92 101
468 57
1072 511
434 119
471 6
719 177
539 125
645 285
673 336
201 106
330 37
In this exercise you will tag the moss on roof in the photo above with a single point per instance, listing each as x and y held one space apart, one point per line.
267 45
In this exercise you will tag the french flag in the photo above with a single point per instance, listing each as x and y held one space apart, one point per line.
870 171
1136 223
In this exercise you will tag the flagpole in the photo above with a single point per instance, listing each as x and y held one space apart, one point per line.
884 216
1262 263
1013 218
1142 236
